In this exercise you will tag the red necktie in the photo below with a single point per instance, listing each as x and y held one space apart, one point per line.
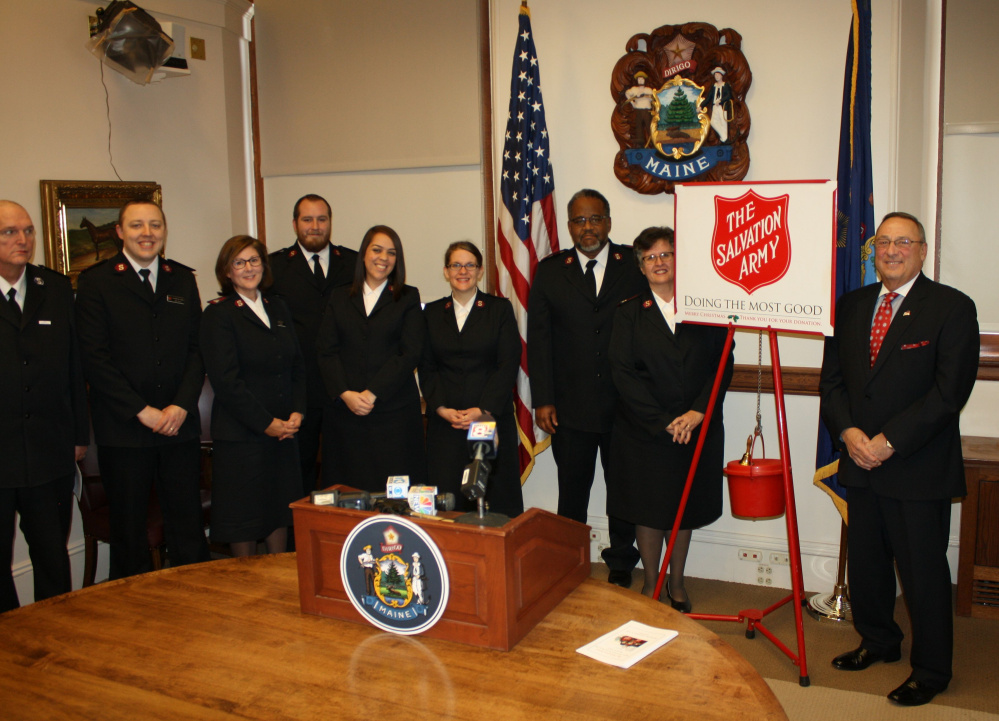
881 322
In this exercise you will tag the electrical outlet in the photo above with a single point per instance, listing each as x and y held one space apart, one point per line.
197 49
764 575
751 555
778 558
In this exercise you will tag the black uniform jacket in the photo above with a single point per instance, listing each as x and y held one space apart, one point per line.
568 336
257 372
922 378
43 402
295 283
661 375
377 352
476 368
139 351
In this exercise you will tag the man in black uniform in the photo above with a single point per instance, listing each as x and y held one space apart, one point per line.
43 410
137 319
304 275
571 310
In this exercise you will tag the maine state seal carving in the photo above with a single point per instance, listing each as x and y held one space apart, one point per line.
394 574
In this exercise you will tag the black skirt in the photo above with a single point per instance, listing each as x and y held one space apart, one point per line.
368 449
447 456
252 484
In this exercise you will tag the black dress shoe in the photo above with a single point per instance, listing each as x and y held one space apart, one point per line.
913 693
620 578
861 658
681 606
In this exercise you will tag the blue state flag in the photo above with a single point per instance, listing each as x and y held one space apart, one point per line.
854 209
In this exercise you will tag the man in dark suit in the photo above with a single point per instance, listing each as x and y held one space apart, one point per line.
137 319
895 376
43 410
571 311
304 275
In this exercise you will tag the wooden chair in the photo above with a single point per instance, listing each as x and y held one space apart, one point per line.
93 503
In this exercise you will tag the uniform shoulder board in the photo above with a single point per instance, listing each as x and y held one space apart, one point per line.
628 300
172 265
559 256
280 252
220 299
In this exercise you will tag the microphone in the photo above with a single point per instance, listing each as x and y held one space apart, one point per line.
483 441
401 507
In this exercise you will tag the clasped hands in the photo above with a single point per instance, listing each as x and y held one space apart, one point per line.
283 430
459 420
868 453
682 427
360 403
166 422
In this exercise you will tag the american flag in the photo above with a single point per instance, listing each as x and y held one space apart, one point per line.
527 230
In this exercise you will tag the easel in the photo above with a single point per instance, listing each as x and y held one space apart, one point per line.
754 617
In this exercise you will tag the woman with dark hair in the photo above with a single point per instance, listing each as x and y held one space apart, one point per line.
469 366
370 341
256 369
664 373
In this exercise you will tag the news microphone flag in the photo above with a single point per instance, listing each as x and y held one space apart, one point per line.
527 230
854 210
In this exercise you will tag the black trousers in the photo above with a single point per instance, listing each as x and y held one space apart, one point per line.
128 475
46 513
309 436
575 454
885 533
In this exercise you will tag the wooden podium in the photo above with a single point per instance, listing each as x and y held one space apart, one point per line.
503 580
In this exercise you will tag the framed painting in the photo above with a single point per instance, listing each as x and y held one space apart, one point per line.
79 218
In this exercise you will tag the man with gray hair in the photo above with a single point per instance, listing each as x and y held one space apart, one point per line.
43 410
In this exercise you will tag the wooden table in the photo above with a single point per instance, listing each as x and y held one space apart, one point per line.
226 640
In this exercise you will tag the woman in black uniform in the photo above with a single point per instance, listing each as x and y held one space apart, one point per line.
664 373
470 366
370 341
256 369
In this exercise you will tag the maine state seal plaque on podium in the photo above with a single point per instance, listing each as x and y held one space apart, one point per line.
394 574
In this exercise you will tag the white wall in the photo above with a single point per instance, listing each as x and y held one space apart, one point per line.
430 209
186 133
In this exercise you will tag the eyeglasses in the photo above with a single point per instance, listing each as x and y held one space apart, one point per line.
668 255
592 220
467 266
253 262
900 243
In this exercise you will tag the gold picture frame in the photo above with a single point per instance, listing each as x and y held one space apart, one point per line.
78 219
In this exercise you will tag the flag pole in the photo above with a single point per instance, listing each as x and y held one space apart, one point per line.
834 606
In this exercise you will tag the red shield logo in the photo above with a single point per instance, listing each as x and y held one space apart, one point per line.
751 247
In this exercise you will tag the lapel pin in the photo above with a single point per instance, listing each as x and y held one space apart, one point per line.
568 260
908 312
617 256
39 281
479 304
447 306
166 268
647 304
120 267
240 304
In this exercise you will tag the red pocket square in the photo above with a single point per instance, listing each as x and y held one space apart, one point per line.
910 346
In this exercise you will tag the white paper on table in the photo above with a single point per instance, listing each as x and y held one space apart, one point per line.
628 644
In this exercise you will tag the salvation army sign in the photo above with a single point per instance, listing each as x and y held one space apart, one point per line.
750 242
759 255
